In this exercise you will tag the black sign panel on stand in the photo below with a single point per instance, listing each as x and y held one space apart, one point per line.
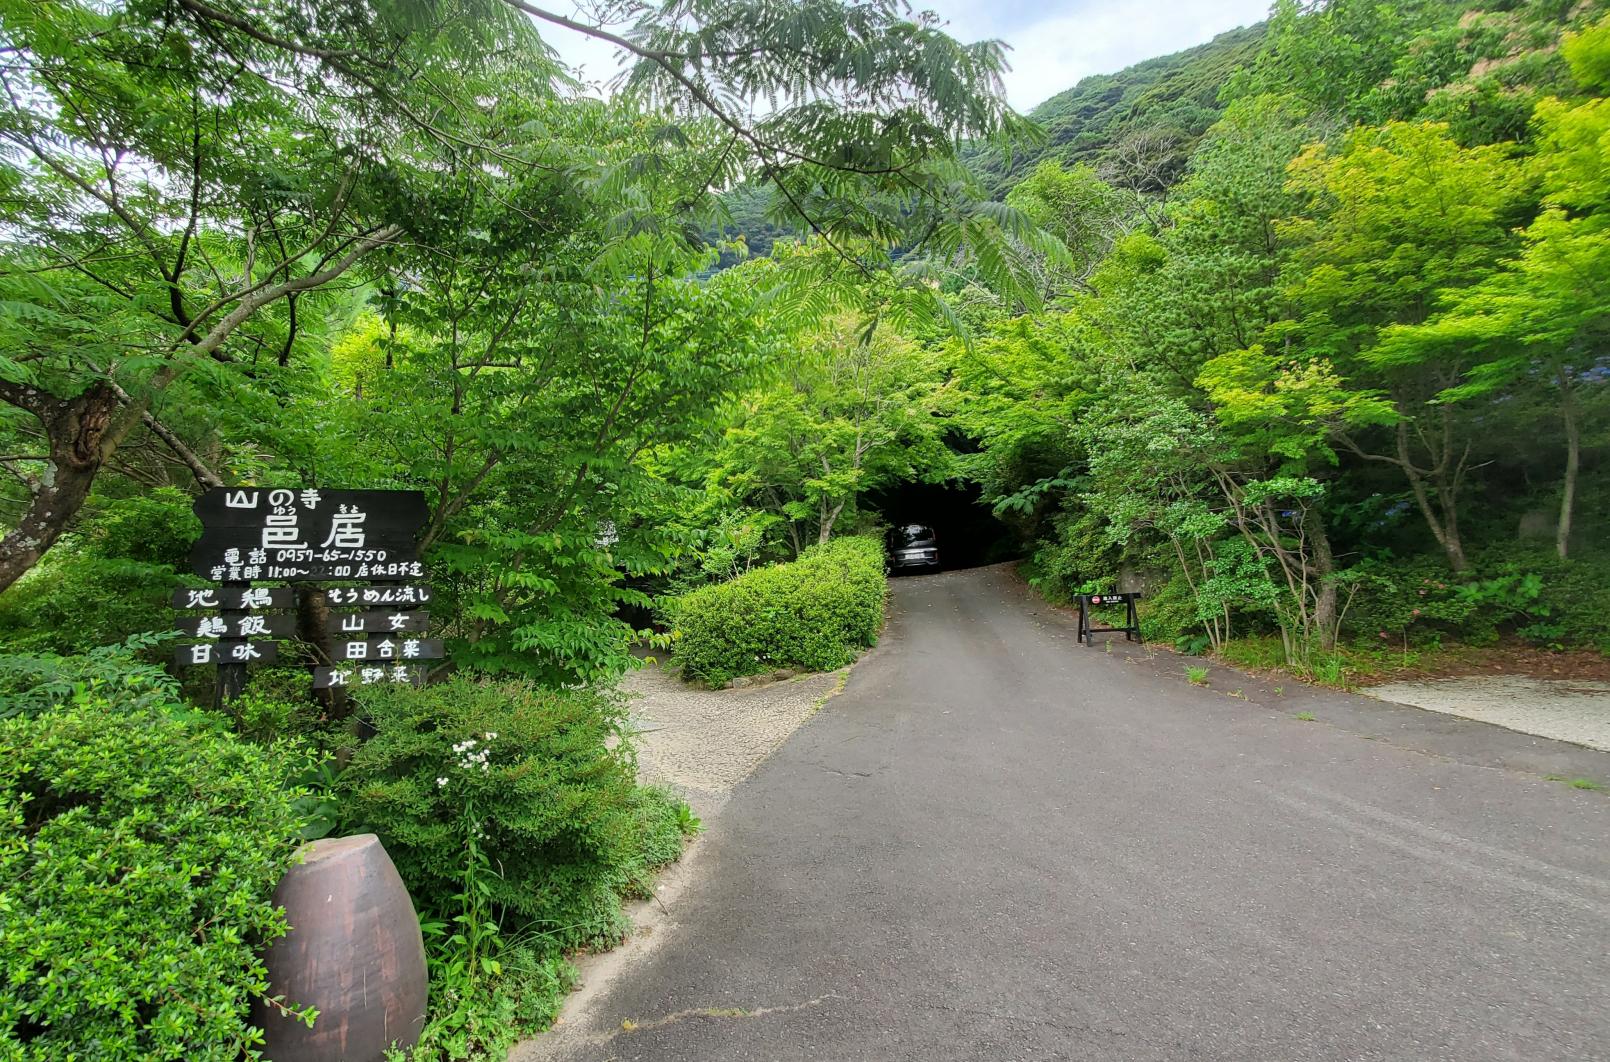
1131 627
284 534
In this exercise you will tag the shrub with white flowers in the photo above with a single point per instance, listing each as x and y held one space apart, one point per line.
541 780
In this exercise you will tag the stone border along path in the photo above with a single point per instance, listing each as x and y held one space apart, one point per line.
700 743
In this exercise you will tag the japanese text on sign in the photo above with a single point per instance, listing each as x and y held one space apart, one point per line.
252 534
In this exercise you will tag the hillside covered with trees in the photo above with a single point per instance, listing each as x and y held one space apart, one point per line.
1303 332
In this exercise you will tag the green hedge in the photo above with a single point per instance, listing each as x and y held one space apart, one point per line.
814 613
138 858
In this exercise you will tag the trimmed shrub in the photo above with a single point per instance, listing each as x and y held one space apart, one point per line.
542 780
138 860
814 613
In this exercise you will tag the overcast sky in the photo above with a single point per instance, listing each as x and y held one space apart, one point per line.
1054 42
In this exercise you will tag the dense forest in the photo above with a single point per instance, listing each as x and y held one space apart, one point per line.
1301 332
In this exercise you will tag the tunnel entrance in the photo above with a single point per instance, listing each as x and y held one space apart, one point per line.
969 534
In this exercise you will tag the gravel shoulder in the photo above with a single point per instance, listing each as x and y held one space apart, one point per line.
702 742
1563 709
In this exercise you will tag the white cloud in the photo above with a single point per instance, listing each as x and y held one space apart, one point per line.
1054 44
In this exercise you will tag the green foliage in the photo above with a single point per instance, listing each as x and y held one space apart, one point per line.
1539 596
156 528
108 580
32 683
1074 555
541 781
76 601
1155 109
1588 52
1378 262
1079 208
851 412
815 613
1169 615
480 1016
474 1003
138 862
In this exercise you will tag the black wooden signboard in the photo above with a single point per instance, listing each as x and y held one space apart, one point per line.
285 535
240 625
251 597
390 596
1131 627
390 648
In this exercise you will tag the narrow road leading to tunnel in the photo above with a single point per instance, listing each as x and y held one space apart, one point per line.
999 845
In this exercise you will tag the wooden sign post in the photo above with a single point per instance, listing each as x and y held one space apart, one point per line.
252 535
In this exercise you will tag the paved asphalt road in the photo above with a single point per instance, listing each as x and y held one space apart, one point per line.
997 845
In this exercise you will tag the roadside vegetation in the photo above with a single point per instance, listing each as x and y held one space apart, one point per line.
813 614
1303 331
361 246
1337 396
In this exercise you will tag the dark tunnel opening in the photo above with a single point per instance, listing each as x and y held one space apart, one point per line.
969 533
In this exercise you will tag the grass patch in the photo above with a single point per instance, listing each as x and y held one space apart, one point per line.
1307 717
1575 783
1343 668
1196 675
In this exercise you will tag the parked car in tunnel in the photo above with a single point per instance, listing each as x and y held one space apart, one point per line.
912 547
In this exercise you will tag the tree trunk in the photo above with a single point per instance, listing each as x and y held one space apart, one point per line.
1324 565
829 517
80 433
1444 529
1452 544
1573 460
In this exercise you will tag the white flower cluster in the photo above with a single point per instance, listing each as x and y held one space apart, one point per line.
470 757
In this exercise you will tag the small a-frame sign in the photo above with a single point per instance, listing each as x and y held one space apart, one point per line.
1131 626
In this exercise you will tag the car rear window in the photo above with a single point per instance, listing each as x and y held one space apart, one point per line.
911 535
